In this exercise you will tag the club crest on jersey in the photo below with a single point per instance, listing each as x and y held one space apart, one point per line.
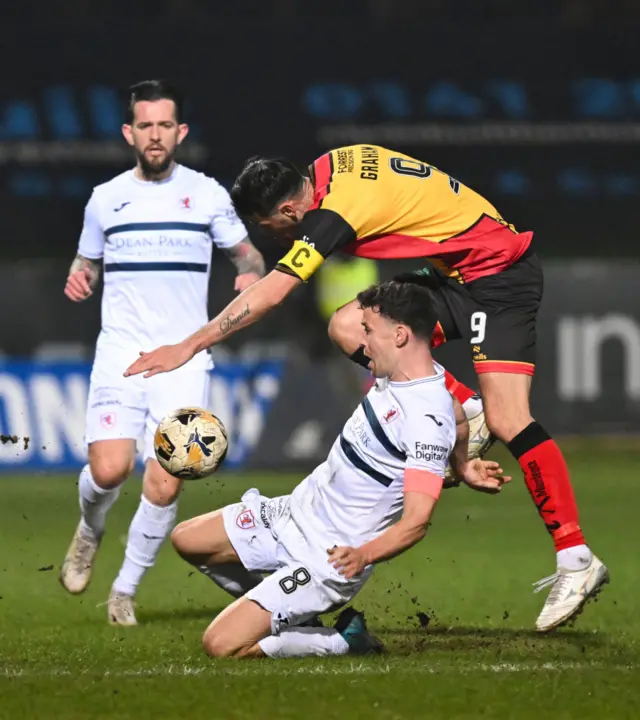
246 520
185 203
390 415
108 420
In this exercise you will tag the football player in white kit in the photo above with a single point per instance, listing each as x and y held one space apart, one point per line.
371 500
151 229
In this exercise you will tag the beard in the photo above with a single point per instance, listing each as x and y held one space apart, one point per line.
157 166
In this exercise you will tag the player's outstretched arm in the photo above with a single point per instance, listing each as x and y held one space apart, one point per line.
248 261
82 279
409 530
246 309
483 475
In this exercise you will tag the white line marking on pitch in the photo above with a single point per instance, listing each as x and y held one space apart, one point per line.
259 669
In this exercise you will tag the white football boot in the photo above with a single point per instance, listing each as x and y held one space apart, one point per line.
121 609
75 574
480 437
570 591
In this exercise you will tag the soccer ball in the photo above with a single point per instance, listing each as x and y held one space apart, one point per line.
191 443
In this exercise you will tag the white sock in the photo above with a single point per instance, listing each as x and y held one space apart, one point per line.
148 530
233 578
95 503
575 558
303 642
472 407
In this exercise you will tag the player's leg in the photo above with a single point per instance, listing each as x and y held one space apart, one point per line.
266 622
156 515
113 423
228 545
203 542
503 342
151 525
110 463
237 543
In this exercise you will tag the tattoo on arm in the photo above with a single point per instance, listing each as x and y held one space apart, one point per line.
230 321
246 257
80 262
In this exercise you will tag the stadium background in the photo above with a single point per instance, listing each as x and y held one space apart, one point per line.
542 117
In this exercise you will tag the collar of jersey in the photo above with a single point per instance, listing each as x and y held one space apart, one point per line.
406 383
166 181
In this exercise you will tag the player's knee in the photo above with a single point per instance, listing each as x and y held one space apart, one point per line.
506 403
338 328
110 471
217 644
181 541
344 327
158 486
505 426
178 538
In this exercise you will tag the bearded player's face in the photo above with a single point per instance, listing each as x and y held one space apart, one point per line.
154 135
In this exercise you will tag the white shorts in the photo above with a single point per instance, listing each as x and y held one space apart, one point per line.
301 585
131 408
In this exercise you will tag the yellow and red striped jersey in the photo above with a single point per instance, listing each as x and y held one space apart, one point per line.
378 203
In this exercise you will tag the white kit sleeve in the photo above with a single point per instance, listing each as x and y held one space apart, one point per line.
91 243
227 229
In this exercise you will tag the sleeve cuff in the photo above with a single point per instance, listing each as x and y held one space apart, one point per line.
423 481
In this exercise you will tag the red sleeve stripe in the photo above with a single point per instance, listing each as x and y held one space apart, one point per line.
423 481
504 366
322 175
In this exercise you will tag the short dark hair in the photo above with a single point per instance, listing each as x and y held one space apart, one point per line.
150 91
263 184
402 302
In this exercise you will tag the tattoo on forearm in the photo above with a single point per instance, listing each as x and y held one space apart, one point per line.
246 257
228 323
80 262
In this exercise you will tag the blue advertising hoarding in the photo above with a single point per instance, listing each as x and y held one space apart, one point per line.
43 405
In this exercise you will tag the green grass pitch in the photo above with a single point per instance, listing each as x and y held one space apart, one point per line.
456 614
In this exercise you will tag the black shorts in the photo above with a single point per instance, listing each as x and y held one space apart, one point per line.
504 308
496 315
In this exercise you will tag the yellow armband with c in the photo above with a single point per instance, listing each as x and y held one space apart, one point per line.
302 260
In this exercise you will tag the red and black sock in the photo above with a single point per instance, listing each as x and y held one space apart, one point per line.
457 389
547 478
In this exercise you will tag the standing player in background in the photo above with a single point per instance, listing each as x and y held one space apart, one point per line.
151 228
372 202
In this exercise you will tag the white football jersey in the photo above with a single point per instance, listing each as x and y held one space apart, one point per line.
358 492
155 240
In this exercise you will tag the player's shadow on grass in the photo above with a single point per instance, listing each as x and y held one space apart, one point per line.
459 639
204 614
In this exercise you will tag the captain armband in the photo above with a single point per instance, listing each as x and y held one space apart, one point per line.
302 260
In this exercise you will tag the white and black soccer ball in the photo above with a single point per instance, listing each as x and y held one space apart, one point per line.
191 443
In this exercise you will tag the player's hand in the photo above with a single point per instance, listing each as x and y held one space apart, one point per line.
484 475
245 280
164 359
348 561
78 287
